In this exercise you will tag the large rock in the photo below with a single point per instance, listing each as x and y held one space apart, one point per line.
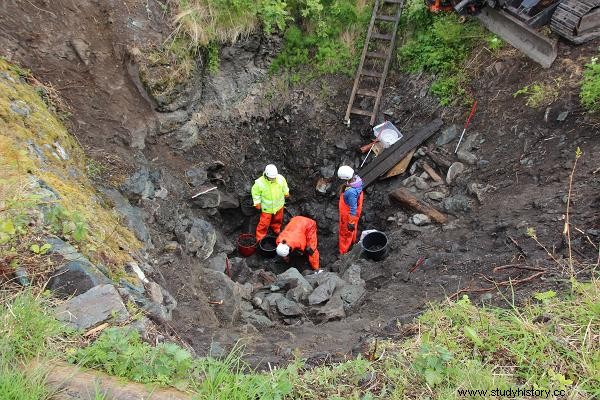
288 308
229 201
134 216
197 237
448 135
210 199
455 169
196 176
354 293
76 277
218 262
325 289
99 304
138 185
156 302
256 319
457 204
291 279
218 287
334 309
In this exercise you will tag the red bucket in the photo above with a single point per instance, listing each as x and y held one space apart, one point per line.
246 244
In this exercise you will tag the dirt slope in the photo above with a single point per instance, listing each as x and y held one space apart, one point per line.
524 155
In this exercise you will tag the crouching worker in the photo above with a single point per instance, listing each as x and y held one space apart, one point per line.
350 207
300 235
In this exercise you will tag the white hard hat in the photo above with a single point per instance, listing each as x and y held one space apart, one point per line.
283 250
271 171
345 172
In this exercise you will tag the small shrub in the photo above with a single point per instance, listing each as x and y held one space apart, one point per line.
121 352
539 94
432 363
590 87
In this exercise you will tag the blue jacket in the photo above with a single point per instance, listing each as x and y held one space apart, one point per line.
351 199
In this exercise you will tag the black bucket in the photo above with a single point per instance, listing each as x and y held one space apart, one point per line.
267 246
375 245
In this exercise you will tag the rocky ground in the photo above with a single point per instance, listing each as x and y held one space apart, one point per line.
220 130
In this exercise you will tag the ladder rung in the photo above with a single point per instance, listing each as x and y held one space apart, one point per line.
367 92
373 54
394 1
381 36
367 72
361 112
390 18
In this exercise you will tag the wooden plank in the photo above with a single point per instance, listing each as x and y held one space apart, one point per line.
374 54
396 152
361 112
366 92
362 62
400 168
407 199
374 74
389 18
432 173
381 36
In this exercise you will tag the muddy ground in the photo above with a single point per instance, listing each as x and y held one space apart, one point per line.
524 158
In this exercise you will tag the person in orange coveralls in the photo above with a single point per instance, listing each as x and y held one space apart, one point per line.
350 206
300 235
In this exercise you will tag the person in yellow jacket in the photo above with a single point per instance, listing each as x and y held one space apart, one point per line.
268 195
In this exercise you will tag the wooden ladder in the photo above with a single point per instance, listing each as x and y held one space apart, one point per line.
379 45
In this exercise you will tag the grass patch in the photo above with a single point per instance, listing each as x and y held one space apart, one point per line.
439 44
43 185
540 94
590 87
27 331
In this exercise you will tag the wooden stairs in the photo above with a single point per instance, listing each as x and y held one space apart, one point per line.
375 60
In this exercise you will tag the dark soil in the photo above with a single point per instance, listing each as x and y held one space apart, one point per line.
247 242
524 154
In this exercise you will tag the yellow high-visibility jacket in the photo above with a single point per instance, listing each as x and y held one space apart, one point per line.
270 195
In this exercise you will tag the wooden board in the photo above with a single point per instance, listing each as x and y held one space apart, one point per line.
403 196
396 152
400 168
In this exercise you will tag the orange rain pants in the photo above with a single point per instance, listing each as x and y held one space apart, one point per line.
346 238
300 233
266 220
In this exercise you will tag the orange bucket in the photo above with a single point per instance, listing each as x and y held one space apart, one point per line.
246 244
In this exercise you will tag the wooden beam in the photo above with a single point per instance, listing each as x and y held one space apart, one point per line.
407 199
396 152
432 173
72 382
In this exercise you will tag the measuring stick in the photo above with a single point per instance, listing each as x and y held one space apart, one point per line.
466 125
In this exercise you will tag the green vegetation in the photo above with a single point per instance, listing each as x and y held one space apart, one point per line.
590 87
440 44
540 94
323 33
43 188
26 331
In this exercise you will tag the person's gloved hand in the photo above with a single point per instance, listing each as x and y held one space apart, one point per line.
351 227
308 250
257 206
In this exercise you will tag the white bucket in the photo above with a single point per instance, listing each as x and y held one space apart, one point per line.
387 134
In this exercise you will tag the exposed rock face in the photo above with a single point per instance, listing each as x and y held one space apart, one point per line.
197 237
134 216
218 287
99 304
76 277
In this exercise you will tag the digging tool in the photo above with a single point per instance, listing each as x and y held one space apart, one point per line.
417 264
466 125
